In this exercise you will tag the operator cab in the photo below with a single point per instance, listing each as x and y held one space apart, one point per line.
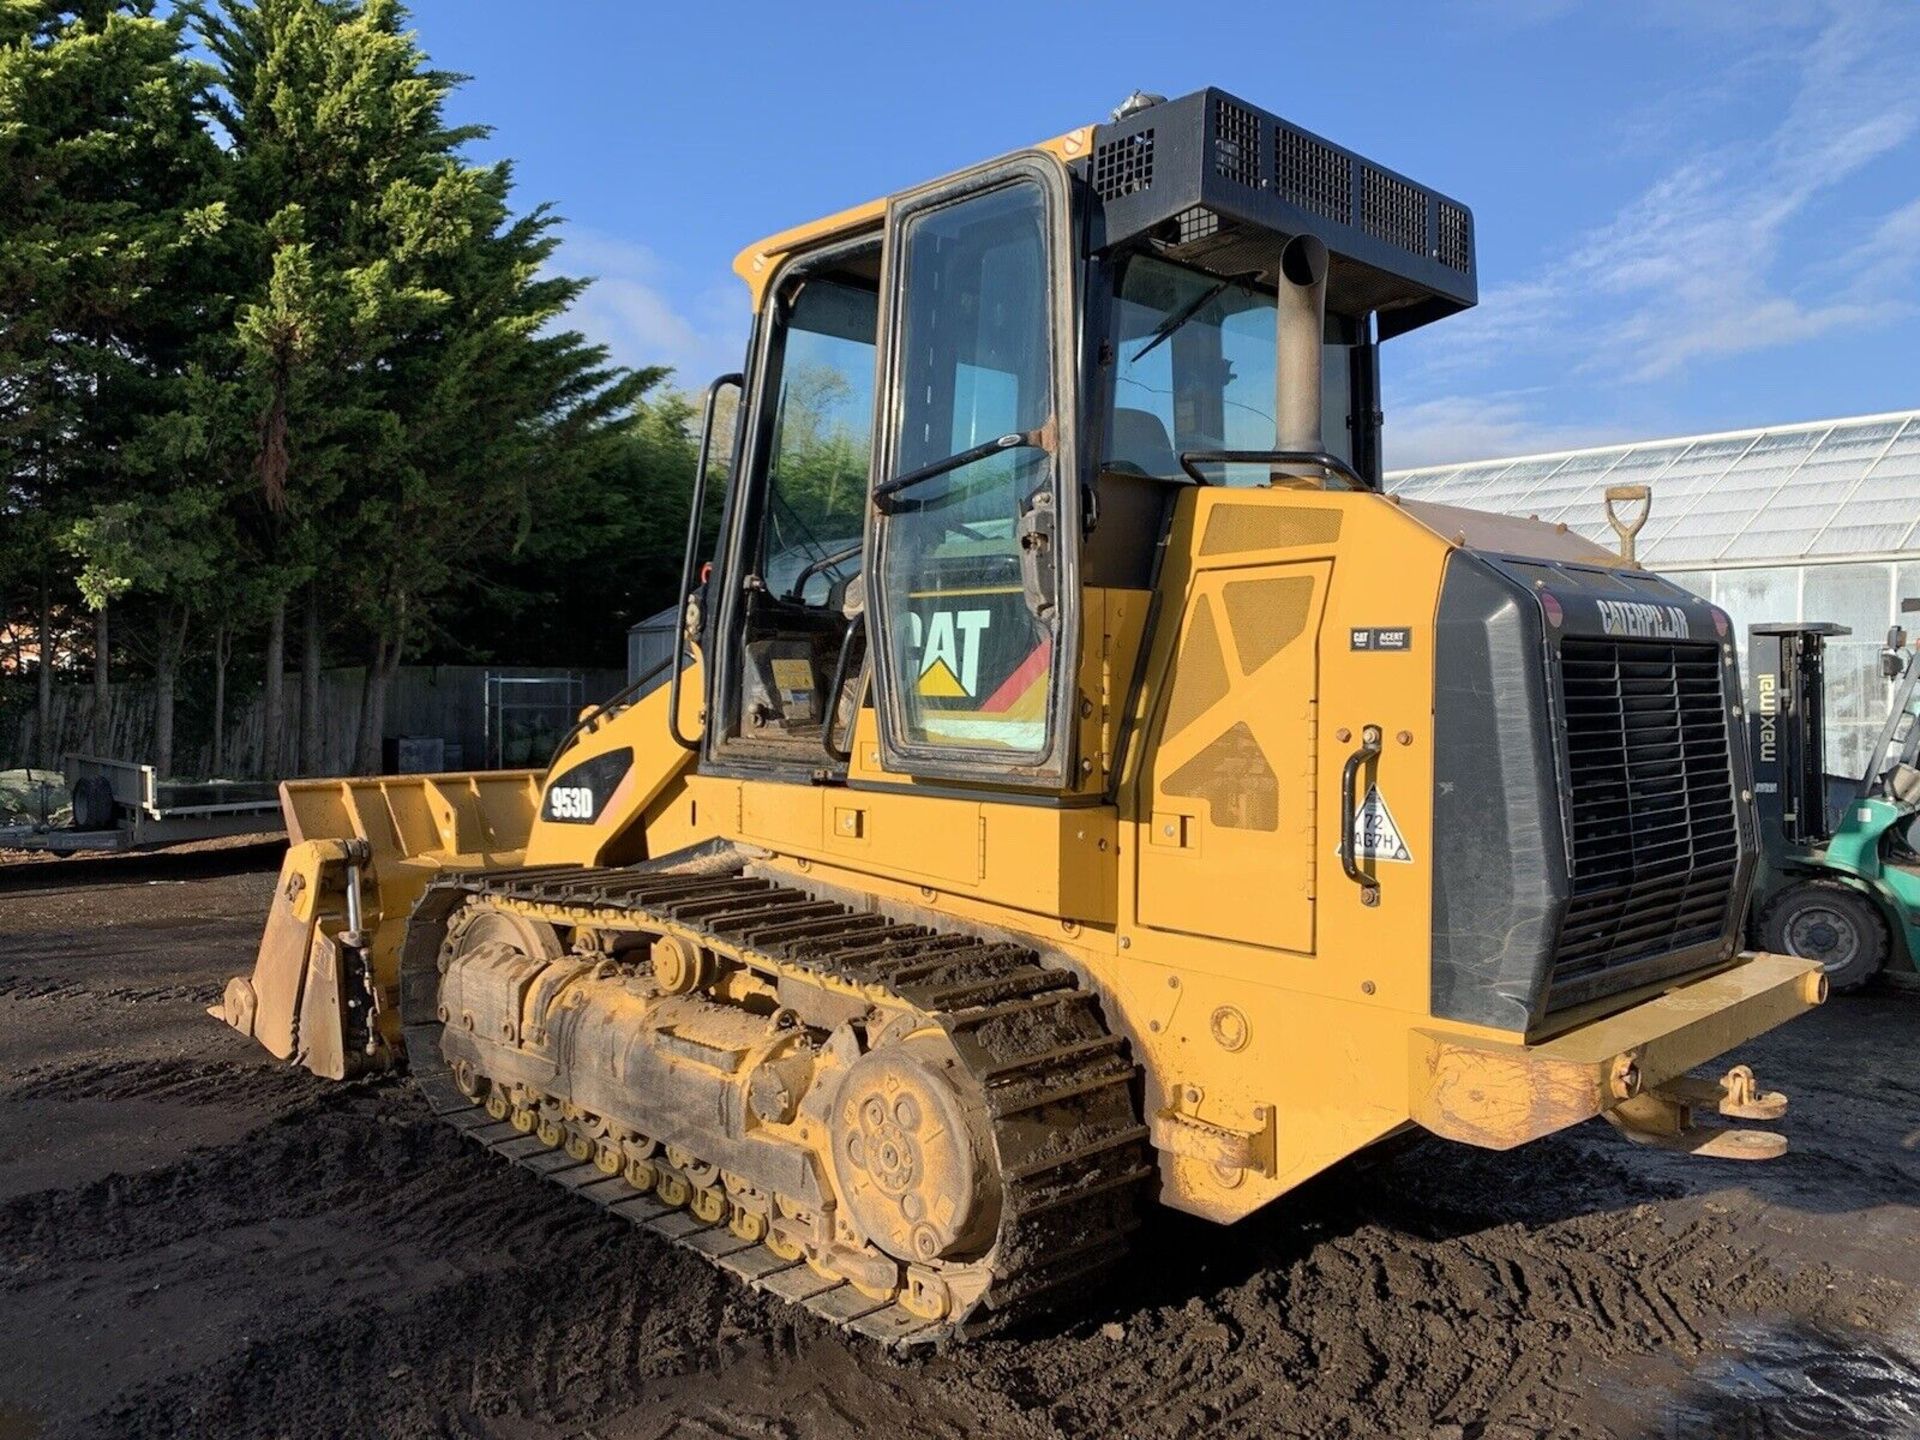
970 408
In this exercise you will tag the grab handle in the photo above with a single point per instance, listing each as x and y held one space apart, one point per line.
1349 774
856 629
696 514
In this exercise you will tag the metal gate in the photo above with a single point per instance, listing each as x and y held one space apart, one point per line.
527 715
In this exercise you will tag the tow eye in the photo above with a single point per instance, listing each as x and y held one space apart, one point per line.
1667 1117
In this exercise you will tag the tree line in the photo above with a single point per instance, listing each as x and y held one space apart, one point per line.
285 375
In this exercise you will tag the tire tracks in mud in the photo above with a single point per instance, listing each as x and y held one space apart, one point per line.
1367 1308
1376 1329
331 1261
176 1080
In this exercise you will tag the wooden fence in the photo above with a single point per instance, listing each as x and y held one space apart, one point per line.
448 702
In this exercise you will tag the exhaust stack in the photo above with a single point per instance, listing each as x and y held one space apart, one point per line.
1300 324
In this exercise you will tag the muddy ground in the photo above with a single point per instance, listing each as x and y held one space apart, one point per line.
194 1242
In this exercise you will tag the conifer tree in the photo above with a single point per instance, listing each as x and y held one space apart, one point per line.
412 396
106 210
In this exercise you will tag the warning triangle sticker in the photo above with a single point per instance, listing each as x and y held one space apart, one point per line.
940 681
1376 837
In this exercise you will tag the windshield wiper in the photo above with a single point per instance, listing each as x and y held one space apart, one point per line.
1018 440
1164 330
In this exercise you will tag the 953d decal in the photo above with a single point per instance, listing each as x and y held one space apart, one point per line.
578 796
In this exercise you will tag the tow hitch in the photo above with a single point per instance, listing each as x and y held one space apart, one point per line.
1668 1117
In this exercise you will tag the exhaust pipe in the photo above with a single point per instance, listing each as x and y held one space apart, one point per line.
1300 324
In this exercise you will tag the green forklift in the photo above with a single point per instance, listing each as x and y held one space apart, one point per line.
1839 877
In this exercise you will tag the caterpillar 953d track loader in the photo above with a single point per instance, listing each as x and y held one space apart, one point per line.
1089 787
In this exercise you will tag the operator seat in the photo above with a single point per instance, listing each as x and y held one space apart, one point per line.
1138 480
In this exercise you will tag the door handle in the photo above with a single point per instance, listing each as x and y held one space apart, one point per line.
1349 773
1035 533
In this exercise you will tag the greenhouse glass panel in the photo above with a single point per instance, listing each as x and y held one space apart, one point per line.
1685 482
1700 582
1454 487
1574 490
1906 586
1803 507
1756 597
1511 495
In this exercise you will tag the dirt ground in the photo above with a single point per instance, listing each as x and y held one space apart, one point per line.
194 1242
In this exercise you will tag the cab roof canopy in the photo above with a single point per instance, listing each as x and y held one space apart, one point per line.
1220 184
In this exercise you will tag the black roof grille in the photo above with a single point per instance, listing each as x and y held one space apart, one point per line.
1264 180
1312 174
1197 223
1124 165
1393 211
1456 237
1236 144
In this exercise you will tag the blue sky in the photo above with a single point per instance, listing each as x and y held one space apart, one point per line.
1691 214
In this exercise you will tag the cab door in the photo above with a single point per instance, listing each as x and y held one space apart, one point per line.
971 586
788 642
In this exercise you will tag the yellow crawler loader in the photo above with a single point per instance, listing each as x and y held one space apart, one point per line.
1081 786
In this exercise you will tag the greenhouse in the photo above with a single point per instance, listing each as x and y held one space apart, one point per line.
1817 521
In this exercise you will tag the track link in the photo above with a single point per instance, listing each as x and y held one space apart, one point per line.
1072 1155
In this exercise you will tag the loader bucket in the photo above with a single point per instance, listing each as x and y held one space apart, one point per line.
325 984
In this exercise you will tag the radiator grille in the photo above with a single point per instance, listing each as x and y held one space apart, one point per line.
1651 788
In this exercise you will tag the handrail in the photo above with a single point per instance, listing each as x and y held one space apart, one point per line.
699 507
613 702
1320 459
855 627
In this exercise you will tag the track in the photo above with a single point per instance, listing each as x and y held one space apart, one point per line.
1071 1154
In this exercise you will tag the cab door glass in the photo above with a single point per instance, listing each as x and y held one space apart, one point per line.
821 455
802 587
967 593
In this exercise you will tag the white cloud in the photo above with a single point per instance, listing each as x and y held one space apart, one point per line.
634 308
1703 263
1448 429
1880 269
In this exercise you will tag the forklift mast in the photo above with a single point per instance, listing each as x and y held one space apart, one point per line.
1787 734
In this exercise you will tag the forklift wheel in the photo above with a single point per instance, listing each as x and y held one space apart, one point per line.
1833 923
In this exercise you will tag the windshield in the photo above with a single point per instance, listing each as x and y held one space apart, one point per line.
1194 370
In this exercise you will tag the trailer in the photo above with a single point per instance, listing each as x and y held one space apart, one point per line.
123 805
